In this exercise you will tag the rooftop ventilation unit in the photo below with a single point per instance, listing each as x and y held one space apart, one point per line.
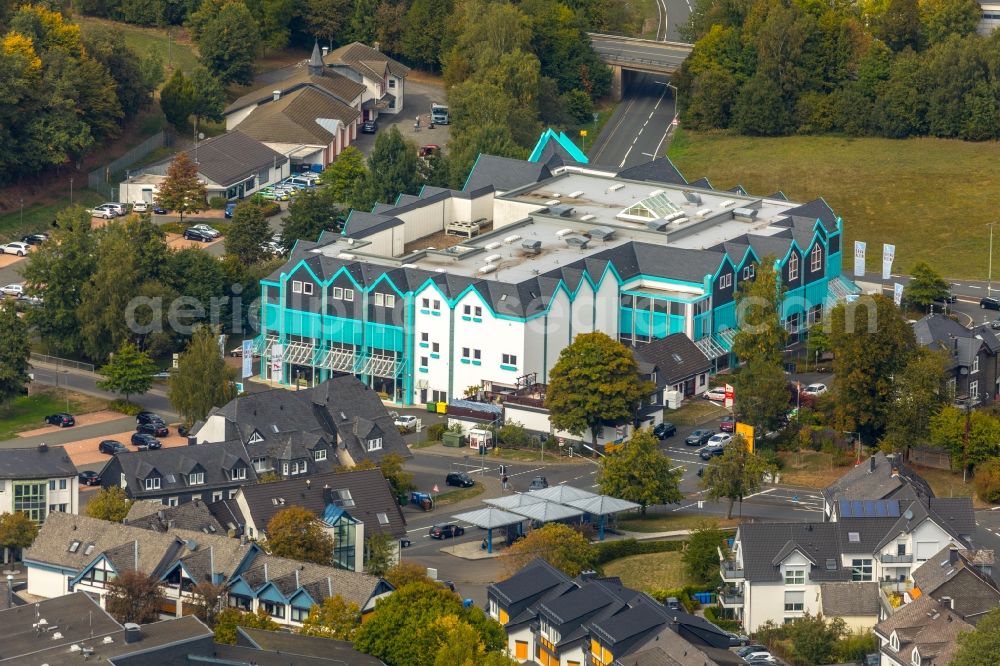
488 268
563 232
703 212
562 211
673 216
727 203
657 225
679 221
692 197
576 240
409 265
493 258
655 193
346 256
492 246
511 239
552 202
576 195
440 270
531 246
748 213
587 217
602 233
616 187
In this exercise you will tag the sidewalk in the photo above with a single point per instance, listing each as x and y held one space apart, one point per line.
439 449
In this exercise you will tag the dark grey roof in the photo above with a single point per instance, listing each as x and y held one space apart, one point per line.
883 482
927 625
761 542
702 182
816 209
660 170
849 599
153 515
504 173
953 514
304 646
369 491
37 462
228 514
173 464
534 579
231 157
675 358
955 573
361 224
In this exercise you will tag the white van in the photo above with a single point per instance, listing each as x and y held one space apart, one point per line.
303 180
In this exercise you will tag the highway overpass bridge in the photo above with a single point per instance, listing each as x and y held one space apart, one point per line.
629 54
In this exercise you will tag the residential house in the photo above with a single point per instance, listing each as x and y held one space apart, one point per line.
339 422
73 629
777 570
854 603
674 363
177 475
553 620
961 580
232 166
78 553
972 356
921 633
37 481
193 516
310 116
881 477
384 78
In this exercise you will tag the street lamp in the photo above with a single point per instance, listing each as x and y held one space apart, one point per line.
22 211
989 277
676 100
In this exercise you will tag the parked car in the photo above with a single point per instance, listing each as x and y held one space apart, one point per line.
947 298
406 422
720 439
736 640
710 450
62 419
140 207
428 150
12 289
144 442
20 248
273 247
230 207
699 437
35 239
445 531
815 389
111 447
664 429
728 423
160 210
995 324
369 127
148 417
538 483
30 300
211 231
759 658
198 235
749 649
90 478
154 428
460 479
718 394
114 209
989 303
101 212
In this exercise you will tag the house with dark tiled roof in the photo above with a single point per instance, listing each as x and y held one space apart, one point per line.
384 78
960 579
777 571
550 618
178 475
881 477
674 363
921 633
232 166
79 553
973 356
339 422
193 516
352 505
37 481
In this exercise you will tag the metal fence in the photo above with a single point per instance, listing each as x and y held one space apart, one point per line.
61 362
100 178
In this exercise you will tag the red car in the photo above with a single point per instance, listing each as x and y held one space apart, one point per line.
728 424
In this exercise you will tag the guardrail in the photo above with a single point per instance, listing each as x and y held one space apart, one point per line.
601 35
612 57
62 362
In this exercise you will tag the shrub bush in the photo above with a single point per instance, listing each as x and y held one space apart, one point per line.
270 208
218 202
712 615
987 481
173 227
435 432
681 594
125 407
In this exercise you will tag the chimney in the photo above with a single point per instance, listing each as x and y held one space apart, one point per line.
133 634
376 46
953 555
276 95
326 51
871 465
43 447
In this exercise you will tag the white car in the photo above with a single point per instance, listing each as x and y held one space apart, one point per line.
720 439
273 247
12 290
17 247
104 213
717 394
30 300
815 389
140 207
204 228
118 208
406 421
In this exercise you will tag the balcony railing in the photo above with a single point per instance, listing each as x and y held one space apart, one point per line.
731 596
897 586
897 559
731 570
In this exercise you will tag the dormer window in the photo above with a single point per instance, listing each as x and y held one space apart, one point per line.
319 455
153 483
255 438
793 267
915 657
375 444
196 478
894 642
795 576
238 473
816 258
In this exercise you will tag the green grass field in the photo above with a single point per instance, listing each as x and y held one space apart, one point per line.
932 198
39 217
656 571
144 40
27 412
672 522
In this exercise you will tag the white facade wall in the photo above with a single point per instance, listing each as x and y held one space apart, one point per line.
557 330
388 242
507 212
530 419
397 88
467 210
70 496
436 323
424 220
606 309
45 583
213 430
491 336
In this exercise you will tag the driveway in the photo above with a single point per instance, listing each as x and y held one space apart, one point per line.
417 102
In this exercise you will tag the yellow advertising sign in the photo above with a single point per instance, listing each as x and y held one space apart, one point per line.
583 132
745 430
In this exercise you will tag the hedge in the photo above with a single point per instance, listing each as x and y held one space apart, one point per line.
722 623
613 550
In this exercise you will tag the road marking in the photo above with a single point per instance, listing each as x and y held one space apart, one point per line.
649 154
526 472
972 286
763 492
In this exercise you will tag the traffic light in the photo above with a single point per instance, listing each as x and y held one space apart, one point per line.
503 470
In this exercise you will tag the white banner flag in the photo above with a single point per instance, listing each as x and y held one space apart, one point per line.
277 351
859 258
247 352
897 294
888 254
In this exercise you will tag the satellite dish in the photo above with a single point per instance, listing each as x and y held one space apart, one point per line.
908 515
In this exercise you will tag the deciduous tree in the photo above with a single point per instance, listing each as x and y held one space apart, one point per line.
209 96
336 618
405 572
202 379
639 472
735 474
130 372
379 554
209 600
921 392
133 596
972 437
230 618
346 175
297 533
559 545
110 503
15 351
980 647
181 190
310 214
595 380
941 18
392 170
248 234
925 287
228 43
17 530
701 553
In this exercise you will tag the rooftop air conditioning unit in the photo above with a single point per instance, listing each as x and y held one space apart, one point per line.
727 203
703 212
748 213
345 256
674 216
679 221
692 197
531 246
493 258
511 239
657 225
488 268
616 187
587 217
576 195
563 232
492 246
552 202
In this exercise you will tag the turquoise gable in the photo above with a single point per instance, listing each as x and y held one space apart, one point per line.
563 142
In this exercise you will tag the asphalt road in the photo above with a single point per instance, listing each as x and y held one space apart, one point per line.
636 130
678 12
618 49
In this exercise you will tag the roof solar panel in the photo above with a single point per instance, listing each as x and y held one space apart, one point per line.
857 509
893 506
